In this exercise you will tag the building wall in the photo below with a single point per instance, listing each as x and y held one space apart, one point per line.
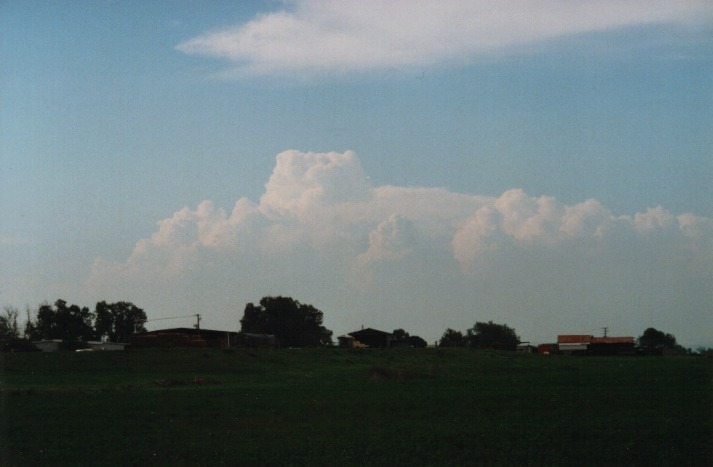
48 346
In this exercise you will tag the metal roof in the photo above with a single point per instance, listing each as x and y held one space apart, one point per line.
613 340
587 339
574 339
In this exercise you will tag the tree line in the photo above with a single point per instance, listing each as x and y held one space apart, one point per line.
72 324
502 337
294 324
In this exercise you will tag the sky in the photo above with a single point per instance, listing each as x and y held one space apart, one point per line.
406 164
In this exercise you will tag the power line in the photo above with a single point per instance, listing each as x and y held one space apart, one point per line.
172 317
197 316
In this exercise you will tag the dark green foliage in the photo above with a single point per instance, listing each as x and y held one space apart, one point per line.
117 322
417 341
9 327
357 407
452 338
18 344
492 336
69 323
293 323
654 342
402 338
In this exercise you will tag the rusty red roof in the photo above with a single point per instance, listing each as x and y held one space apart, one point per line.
574 339
587 339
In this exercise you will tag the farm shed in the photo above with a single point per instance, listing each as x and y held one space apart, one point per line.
373 337
95 345
183 337
51 345
255 341
573 343
587 344
547 349
525 347
348 342
192 337
156 339
611 345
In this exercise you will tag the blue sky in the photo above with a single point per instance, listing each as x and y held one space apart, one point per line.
439 158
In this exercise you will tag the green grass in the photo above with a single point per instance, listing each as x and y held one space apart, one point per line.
354 407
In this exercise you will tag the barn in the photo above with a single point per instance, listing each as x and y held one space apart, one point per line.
371 337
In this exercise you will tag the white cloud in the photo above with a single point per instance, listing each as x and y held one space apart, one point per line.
390 240
303 182
318 36
423 259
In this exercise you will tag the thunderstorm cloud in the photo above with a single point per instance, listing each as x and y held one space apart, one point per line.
421 258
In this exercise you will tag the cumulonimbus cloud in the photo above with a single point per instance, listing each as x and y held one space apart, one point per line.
322 232
323 36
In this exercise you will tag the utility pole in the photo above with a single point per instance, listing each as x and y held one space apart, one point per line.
198 322
605 329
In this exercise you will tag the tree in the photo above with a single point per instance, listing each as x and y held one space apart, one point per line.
117 322
9 327
452 338
293 323
402 336
492 336
655 342
10 340
417 341
68 323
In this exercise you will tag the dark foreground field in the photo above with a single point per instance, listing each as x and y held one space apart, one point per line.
353 407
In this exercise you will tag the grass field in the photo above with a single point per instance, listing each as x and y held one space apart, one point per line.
353 407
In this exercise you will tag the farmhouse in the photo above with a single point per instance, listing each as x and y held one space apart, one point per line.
583 344
366 338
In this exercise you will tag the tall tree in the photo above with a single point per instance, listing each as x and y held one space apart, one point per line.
69 323
492 336
654 341
452 338
9 327
117 322
293 323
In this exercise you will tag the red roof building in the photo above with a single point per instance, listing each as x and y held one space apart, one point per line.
590 345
